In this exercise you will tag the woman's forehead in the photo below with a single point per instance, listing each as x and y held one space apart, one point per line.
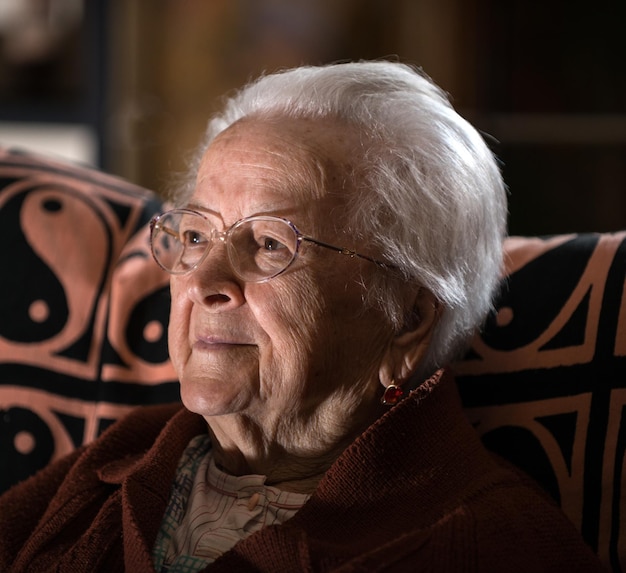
277 162
317 147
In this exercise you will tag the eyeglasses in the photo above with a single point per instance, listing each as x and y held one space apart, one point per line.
259 248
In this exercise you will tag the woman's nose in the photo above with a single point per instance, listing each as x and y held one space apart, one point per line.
213 283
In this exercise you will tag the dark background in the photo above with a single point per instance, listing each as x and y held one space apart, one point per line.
546 80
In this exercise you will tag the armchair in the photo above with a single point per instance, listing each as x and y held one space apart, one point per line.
84 314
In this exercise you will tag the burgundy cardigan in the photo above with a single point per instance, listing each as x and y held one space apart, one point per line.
416 492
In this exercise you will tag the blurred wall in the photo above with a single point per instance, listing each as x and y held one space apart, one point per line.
173 60
545 80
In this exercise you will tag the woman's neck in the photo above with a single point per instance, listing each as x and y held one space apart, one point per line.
292 457
284 470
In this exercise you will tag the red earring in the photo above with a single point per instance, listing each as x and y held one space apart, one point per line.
393 394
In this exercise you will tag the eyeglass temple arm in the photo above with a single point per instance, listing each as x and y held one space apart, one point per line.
349 252
156 225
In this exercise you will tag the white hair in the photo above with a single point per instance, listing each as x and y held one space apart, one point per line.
433 199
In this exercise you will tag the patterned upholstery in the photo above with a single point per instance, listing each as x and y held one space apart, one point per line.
83 309
84 312
545 384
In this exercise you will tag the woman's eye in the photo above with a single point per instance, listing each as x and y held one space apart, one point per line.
270 244
192 238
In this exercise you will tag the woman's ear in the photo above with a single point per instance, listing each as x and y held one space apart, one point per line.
409 345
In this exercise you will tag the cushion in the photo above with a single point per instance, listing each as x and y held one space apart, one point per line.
545 382
84 309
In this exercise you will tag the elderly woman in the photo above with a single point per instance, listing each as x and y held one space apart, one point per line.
340 242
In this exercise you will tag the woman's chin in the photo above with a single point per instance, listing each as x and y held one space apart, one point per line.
211 399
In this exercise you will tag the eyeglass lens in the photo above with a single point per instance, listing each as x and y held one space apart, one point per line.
258 248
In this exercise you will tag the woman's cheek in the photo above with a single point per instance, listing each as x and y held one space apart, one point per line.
178 330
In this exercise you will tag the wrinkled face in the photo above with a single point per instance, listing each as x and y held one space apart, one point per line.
303 340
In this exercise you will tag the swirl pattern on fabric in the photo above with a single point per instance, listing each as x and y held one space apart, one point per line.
84 309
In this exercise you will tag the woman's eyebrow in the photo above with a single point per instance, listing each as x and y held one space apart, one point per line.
202 209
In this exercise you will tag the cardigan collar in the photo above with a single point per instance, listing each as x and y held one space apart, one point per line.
400 466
